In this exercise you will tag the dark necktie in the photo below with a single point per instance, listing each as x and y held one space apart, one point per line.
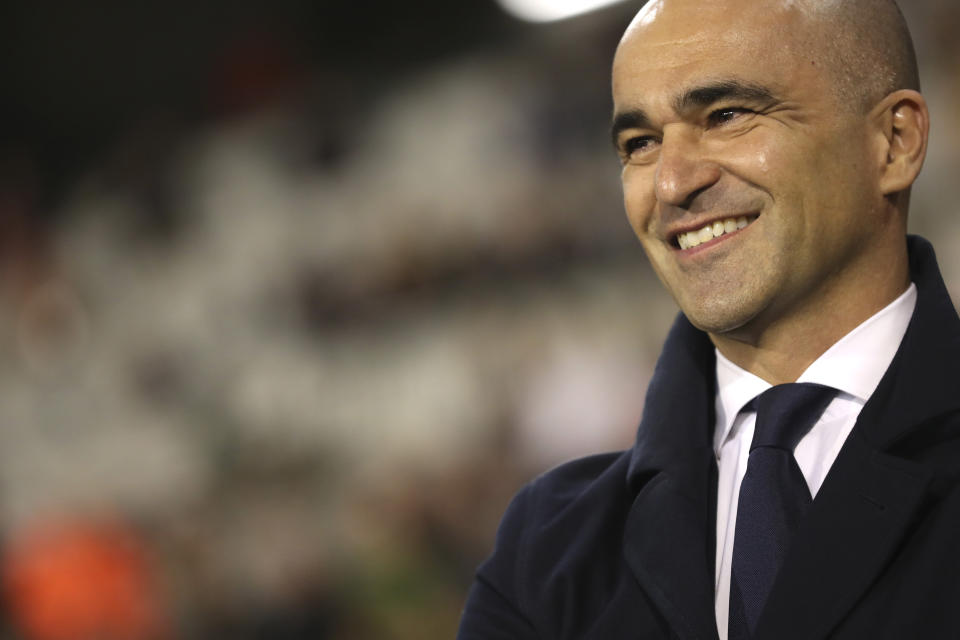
773 497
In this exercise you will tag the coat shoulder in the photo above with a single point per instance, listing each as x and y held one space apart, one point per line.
559 547
565 500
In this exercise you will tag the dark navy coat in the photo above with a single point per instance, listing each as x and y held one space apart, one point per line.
623 545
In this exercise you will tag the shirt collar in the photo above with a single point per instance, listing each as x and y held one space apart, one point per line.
854 364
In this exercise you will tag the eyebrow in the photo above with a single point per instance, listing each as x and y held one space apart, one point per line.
633 119
704 96
694 98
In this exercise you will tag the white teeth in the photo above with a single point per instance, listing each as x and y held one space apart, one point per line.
713 230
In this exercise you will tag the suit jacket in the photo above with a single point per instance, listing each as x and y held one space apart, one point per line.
623 545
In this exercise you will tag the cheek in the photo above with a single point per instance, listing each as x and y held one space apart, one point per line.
787 173
761 157
638 200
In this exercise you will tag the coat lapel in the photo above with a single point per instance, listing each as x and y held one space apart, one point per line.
669 538
851 531
666 550
872 494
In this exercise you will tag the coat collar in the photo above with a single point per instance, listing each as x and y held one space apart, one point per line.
860 514
678 410
921 382
669 538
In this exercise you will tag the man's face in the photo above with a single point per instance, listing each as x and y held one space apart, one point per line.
725 115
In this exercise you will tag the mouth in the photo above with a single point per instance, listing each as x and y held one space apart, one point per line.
686 240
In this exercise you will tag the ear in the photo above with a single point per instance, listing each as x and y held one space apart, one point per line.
904 121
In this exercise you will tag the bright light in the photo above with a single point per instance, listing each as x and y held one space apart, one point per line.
550 10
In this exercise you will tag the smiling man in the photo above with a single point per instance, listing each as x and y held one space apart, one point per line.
746 113
796 469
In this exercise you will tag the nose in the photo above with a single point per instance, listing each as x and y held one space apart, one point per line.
682 170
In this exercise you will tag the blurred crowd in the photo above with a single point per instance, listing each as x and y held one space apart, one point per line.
276 373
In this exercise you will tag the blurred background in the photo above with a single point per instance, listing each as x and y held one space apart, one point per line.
295 295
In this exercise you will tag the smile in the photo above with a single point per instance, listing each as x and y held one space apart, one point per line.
708 232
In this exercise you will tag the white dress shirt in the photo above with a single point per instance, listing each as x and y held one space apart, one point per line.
854 365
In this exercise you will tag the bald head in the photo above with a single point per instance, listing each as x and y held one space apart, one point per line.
867 46
864 44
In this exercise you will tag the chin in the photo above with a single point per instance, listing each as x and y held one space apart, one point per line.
719 317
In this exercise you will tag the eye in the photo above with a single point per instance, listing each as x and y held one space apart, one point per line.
638 145
725 115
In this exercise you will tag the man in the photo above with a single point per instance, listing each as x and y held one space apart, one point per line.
768 150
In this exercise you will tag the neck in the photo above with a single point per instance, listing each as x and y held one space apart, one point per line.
780 350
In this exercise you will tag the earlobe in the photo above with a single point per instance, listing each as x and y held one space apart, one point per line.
906 125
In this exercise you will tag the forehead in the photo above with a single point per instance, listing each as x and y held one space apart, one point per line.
676 43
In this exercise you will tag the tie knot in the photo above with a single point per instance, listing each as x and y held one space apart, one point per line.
787 411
